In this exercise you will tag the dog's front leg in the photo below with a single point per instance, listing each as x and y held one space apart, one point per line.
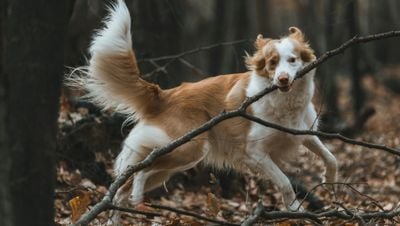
315 145
262 163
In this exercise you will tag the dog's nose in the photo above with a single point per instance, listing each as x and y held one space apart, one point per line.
283 78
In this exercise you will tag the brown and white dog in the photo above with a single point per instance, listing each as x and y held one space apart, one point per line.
113 81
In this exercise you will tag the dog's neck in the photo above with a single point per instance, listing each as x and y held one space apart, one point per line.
290 104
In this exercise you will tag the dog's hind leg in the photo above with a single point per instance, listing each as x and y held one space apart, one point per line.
157 180
314 144
121 200
183 158
138 190
262 163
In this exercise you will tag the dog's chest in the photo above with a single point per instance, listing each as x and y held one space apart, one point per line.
282 109
285 110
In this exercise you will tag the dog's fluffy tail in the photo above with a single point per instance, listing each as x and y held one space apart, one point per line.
112 76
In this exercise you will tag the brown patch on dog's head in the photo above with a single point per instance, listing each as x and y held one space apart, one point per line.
265 58
261 42
305 52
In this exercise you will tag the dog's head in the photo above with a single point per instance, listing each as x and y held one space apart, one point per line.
280 59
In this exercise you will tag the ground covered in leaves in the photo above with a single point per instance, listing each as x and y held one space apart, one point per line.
370 177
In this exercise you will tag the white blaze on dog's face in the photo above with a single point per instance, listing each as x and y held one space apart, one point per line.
289 63
279 60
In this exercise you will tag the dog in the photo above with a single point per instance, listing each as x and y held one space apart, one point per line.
113 81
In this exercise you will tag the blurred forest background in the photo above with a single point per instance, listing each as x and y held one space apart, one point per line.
39 38
174 26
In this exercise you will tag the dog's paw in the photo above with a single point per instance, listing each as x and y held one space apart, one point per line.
295 206
135 200
113 221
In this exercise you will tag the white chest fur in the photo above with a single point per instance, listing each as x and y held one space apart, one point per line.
287 109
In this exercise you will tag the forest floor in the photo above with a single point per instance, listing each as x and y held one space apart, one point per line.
371 177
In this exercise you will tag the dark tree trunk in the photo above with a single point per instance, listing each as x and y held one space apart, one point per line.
357 90
5 160
328 73
31 70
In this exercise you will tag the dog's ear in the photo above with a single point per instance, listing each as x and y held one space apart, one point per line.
256 62
307 54
296 33
261 42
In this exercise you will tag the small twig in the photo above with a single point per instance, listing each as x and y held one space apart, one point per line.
179 56
351 213
156 65
195 69
320 185
375 202
130 210
191 214
158 69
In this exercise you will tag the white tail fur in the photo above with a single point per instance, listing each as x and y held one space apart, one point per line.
112 76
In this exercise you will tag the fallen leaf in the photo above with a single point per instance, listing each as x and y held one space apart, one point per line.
213 205
79 205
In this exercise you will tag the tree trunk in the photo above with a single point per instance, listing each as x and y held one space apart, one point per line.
328 72
5 161
357 91
31 70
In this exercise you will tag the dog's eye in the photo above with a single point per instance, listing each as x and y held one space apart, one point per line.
292 59
273 62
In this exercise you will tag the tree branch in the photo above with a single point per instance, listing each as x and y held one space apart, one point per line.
191 214
256 215
179 56
329 214
120 180
130 210
260 214
193 51
195 69
351 213
320 134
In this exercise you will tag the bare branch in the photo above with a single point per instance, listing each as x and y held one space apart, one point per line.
170 209
130 210
191 214
193 51
321 135
260 214
349 185
355 40
173 58
195 69
351 213
120 180
257 214
329 214
158 68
